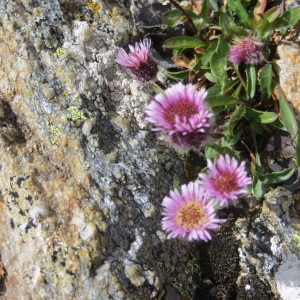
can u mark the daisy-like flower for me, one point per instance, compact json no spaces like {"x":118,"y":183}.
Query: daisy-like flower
{"x":139,"y":61}
{"x":182,"y":115}
{"x":225,"y":179}
{"x":248,"y":50}
{"x":189,"y":214}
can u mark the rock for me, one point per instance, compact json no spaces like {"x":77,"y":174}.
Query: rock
{"x":269,"y":244}
{"x":289,"y":72}
{"x":81,"y":180}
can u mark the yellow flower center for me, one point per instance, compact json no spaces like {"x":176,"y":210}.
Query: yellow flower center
{"x":191,"y":215}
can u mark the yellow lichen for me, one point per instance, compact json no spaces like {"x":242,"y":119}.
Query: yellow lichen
{"x":56,"y":132}
{"x":75,"y":114}
{"x":79,"y":16}
{"x":296,"y":241}
{"x":96,"y":7}
{"x":59,"y":52}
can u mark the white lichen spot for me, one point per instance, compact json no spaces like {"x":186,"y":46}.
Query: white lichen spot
{"x":82,"y":32}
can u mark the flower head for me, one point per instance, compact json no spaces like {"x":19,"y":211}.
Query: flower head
{"x":181,"y":113}
{"x":189,"y":214}
{"x":226,"y":179}
{"x":247,"y":50}
{"x":139,"y":61}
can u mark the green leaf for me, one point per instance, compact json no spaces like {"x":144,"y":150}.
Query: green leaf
{"x":205,"y":10}
{"x":184,"y":42}
{"x":221,"y":100}
{"x":198,"y":62}
{"x":251,"y":81}
{"x":236,"y":116}
{"x":262,"y":28}
{"x":206,"y":58}
{"x":212,"y":151}
{"x":261,"y":116}
{"x":180,"y":75}
{"x":258,"y":188}
{"x":273,"y":13}
{"x":229,"y":141}
{"x":237,"y":91}
{"x":229,"y":26}
{"x":276,"y":177}
{"x":225,"y":88}
{"x":214,"y":90}
{"x":157,"y":89}
{"x":259,"y":10}
{"x":222,"y":47}
{"x":218,"y":67}
{"x":298,"y":150}
{"x":173,"y":17}
{"x":257,"y":128}
{"x":213,"y":4}
{"x":287,"y":115}
{"x":239,"y":9}
{"x":287,"y":19}
{"x":219,"y":60}
{"x":265,"y":81}
{"x":207,"y":6}
{"x":211,"y":77}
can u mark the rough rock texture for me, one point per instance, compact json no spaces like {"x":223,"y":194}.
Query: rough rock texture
{"x":289,"y":72}
{"x":269,"y":246}
{"x":81,"y":177}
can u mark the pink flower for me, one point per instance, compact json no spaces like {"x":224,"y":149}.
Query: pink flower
{"x":225,"y":179}
{"x":182,"y":115}
{"x":139,"y":61}
{"x":189,"y":214}
{"x":247,"y":50}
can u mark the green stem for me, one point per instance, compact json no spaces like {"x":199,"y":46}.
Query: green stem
{"x":240,"y":77}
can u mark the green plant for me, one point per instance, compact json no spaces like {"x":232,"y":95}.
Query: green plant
{"x":230,"y":50}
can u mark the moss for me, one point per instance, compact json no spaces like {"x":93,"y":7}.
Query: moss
{"x":184,"y":157}
{"x":176,"y":182}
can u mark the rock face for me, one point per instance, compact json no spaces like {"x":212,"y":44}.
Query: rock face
{"x":289,"y":72}
{"x":82,"y":178}
{"x":269,"y":247}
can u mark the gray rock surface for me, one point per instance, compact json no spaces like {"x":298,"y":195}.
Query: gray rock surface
{"x":269,"y":243}
{"x":82,"y":178}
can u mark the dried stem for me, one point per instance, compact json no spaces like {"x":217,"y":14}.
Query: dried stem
{"x":189,"y":19}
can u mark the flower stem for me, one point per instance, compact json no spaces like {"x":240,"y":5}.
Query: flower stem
{"x":189,"y":19}
{"x":160,"y":84}
{"x":240,"y":77}
{"x":257,"y":157}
